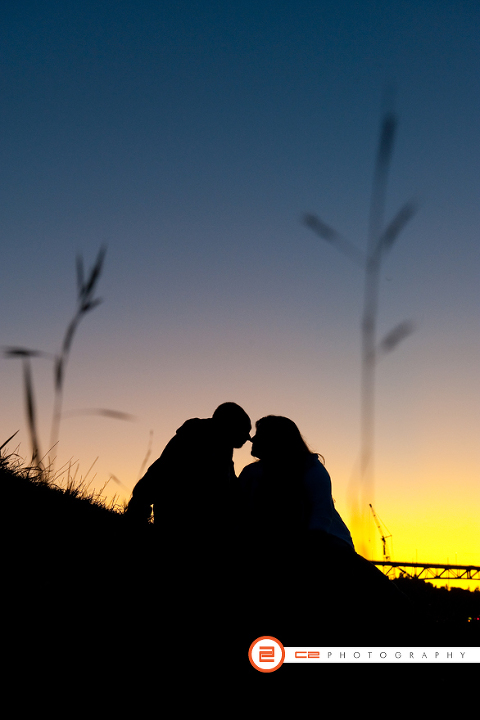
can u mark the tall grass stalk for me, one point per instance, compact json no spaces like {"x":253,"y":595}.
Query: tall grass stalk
{"x":380,"y":240}
{"x":86,"y":302}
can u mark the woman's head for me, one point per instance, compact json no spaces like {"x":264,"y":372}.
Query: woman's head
{"x":278,"y":439}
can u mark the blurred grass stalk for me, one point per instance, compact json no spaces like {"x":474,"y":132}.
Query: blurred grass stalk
{"x":379,"y":241}
{"x":85,"y":303}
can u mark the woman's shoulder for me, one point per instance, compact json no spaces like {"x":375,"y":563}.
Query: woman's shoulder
{"x":253,"y":470}
{"x":315,"y":468}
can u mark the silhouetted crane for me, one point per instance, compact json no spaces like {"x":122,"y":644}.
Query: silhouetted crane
{"x":384,"y":537}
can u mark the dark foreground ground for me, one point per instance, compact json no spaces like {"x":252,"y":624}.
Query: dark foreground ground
{"x":90,"y":599}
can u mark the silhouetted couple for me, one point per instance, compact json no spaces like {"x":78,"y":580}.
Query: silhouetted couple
{"x":270,"y":540}
{"x":196,"y":494}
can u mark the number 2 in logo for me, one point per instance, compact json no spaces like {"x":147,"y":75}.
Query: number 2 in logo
{"x":266,"y":653}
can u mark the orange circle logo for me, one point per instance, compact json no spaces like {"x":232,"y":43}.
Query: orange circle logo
{"x":266,"y":654}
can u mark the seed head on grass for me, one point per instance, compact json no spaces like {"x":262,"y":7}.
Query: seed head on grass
{"x":85,"y":303}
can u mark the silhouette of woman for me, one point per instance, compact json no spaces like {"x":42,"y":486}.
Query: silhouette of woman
{"x":288,"y":490}
{"x":294,"y":534}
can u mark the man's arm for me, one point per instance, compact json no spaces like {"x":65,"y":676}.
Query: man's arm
{"x":154,"y":483}
{"x":140,"y":506}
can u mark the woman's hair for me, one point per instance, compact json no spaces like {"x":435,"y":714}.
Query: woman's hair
{"x":283,"y":438}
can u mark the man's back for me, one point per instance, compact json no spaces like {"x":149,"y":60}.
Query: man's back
{"x":189,"y":484}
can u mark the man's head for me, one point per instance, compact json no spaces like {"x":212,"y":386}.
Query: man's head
{"x":232,"y":423}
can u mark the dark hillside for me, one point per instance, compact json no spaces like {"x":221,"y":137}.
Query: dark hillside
{"x":71,"y":570}
{"x":79,"y":580}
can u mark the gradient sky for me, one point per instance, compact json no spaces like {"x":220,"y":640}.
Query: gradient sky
{"x":190,"y":138}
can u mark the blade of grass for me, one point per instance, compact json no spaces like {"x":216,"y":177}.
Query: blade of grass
{"x":331,"y":236}
{"x":393,"y":229}
{"x":30,"y":410}
{"x":7,"y":441}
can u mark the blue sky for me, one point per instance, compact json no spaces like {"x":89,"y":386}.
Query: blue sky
{"x":190,"y":138}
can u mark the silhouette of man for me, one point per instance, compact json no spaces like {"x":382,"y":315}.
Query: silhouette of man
{"x":190,"y":485}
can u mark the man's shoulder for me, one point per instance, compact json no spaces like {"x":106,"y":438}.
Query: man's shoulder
{"x":195,"y":427}
{"x":193,"y":436}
